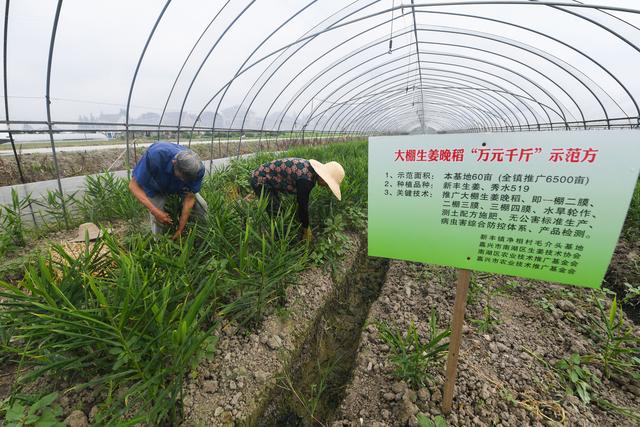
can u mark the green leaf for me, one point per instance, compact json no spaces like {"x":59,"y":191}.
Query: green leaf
{"x":98,"y":293}
{"x":31,"y":418}
{"x":612,"y":311}
{"x":16,"y":412}
{"x":582,"y":392}
{"x":48,"y":419}
{"x":573,"y":376}
{"x":120,"y":362}
{"x":424,"y":421}
{"x":183,"y":330}
{"x":44,"y":402}
{"x":440,"y":422}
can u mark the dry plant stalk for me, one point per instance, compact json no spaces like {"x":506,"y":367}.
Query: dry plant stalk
{"x":540,"y":408}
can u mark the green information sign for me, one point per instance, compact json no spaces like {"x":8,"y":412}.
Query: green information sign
{"x":541,"y":205}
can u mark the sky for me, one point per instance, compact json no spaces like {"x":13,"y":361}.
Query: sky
{"x":340,"y":78}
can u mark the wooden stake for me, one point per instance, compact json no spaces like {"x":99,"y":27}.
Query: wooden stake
{"x":457,"y":320}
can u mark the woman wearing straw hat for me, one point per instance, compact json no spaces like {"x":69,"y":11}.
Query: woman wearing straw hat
{"x":296,"y":176}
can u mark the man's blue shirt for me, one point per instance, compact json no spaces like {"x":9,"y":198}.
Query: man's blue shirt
{"x":154,"y":171}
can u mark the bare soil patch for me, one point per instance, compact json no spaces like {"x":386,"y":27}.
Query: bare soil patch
{"x":501,"y":379}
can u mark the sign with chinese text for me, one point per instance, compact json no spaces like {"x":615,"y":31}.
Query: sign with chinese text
{"x":541,"y":205}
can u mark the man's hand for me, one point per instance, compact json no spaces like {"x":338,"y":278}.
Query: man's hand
{"x":187,"y":205}
{"x":162,"y":217}
{"x":307,"y":234}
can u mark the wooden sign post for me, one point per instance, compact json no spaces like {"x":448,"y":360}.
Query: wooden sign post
{"x":457,"y":320}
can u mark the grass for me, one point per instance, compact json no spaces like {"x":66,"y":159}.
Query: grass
{"x":12,"y":230}
{"x":545,"y":304}
{"x":476,"y":290}
{"x":489,"y":319}
{"x":632,"y":294}
{"x":631,"y":229}
{"x":137,"y":325}
{"x":576,"y":377}
{"x":619,"y":350}
{"x":105,"y":198}
{"x":331,"y":245}
{"x":425,"y":421}
{"x":40,"y":413}
{"x":609,"y":406}
{"x":131,"y":317}
{"x":310,"y":399}
{"x":413,"y":356}
{"x":616,"y":352}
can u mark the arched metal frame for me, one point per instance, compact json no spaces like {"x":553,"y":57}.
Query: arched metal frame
{"x":425,"y":85}
{"x":461,"y":3}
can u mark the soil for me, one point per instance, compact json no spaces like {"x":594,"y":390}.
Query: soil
{"x":504,"y":375}
{"x":40,"y":167}
{"x":7,"y":377}
{"x":236,"y":385}
{"x":314,"y":384}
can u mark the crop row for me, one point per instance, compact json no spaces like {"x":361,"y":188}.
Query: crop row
{"x":130,"y":317}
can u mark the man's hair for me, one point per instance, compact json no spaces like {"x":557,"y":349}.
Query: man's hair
{"x":189,"y":165}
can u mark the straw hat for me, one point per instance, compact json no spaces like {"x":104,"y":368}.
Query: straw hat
{"x":332,"y":173}
{"x":88,"y":229}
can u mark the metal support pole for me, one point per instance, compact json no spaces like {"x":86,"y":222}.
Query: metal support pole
{"x":48,"y":101}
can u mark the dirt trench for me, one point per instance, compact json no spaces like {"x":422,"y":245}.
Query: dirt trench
{"x":313,"y":386}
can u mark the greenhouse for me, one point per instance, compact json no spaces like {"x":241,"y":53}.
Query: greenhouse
{"x":300,"y":213}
